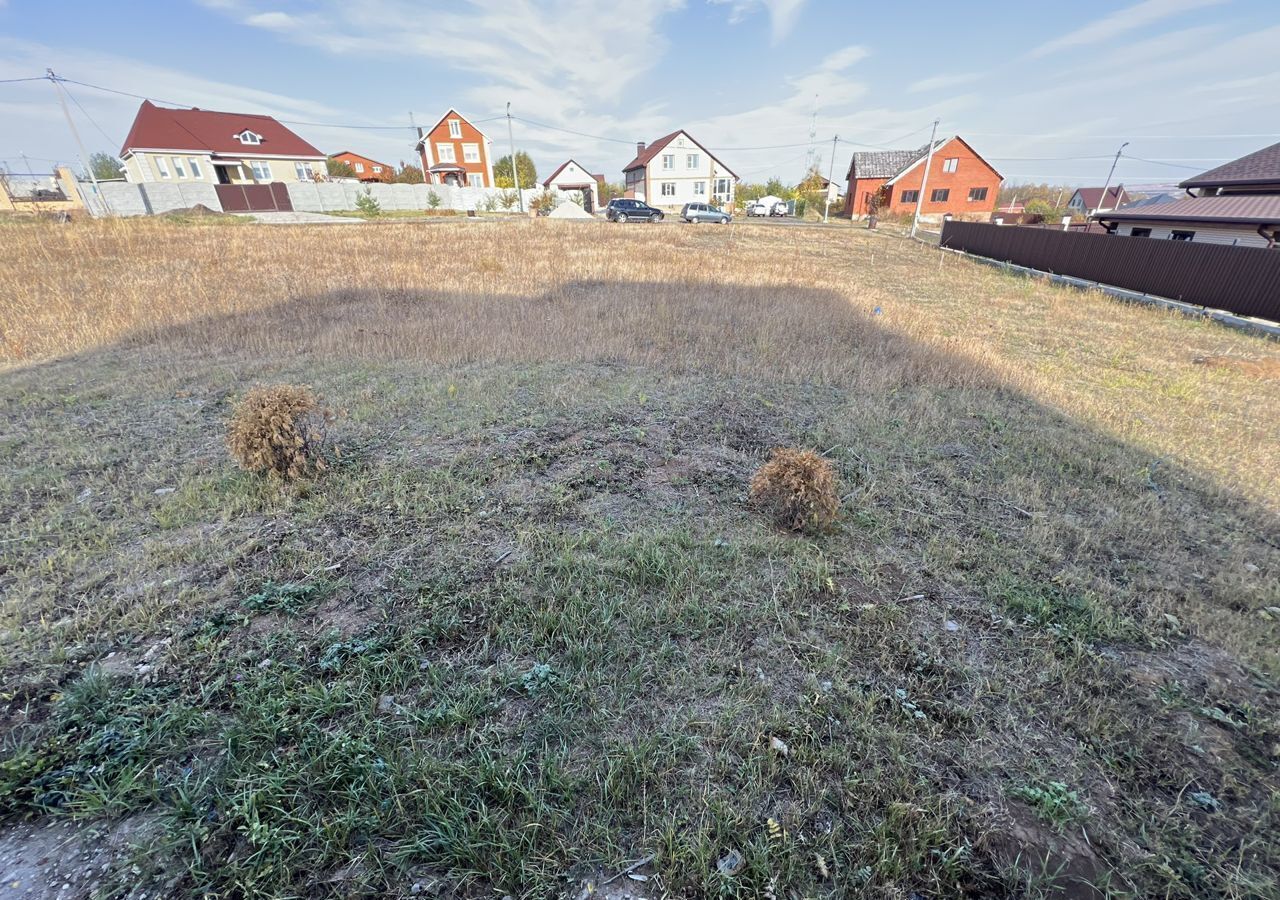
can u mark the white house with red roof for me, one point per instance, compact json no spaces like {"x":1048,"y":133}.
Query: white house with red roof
{"x":572,"y":176}
{"x":193,"y":145}
{"x":675,"y":170}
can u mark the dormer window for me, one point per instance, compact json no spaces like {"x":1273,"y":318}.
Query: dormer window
{"x":249,"y":138}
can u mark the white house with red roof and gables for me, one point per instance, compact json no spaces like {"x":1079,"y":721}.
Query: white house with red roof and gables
{"x":201,"y":145}
{"x":675,"y":170}
{"x":572,"y":176}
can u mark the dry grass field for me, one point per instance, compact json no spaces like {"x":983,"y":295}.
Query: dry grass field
{"x":526,"y":630}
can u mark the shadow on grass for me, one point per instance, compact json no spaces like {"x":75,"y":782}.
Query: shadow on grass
{"x":1015,"y":607}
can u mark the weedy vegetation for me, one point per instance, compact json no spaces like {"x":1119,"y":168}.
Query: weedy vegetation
{"x":280,"y":430}
{"x":797,"y":489}
{"x":533,"y":628}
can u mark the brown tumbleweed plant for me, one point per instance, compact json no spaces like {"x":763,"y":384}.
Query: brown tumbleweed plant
{"x":797,"y":489}
{"x":281,"y":430}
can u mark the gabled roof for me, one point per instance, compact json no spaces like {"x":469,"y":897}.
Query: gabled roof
{"x":367,"y":159}
{"x":893,"y":164}
{"x":450,"y":114}
{"x":1226,"y":209}
{"x":884,"y":163}
{"x":1260,"y":167}
{"x":1091,"y":195}
{"x":644,"y":157}
{"x":564,"y":165}
{"x":207,"y":131}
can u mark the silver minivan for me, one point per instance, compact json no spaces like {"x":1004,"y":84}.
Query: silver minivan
{"x":703,"y":212}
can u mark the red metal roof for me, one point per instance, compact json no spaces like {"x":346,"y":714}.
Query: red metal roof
{"x":643,"y":157}
{"x":1227,"y":209}
{"x":203,"y":130}
{"x":1260,"y":167}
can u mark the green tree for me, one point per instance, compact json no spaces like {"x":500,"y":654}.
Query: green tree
{"x":104,"y":166}
{"x":368,"y":204}
{"x":409,"y":174}
{"x":775,"y":187}
{"x":608,"y":191}
{"x":524,"y":166}
{"x":338,"y":169}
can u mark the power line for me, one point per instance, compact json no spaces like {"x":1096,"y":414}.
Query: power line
{"x":16,"y":80}
{"x":110,"y":140}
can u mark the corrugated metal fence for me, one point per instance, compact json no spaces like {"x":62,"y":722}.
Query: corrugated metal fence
{"x":1242,"y":280}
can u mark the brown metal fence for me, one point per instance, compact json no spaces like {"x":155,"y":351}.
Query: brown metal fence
{"x":273,"y":197}
{"x":1243,"y":280}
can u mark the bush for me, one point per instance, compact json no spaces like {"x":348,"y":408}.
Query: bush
{"x":368,"y":204}
{"x":281,"y":430}
{"x":544,"y":202}
{"x":433,"y":200}
{"x":797,"y":489}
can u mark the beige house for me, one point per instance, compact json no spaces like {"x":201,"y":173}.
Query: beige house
{"x":187,"y":145}
{"x":675,"y":170}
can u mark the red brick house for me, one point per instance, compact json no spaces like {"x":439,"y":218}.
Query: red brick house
{"x":961,"y":183}
{"x":366,"y":169}
{"x":454,"y":151}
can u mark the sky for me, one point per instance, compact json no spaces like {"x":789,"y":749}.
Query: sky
{"x":1044,"y":91}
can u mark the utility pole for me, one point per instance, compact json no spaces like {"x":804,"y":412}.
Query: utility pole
{"x":1103,"y":199}
{"x":831,"y":171}
{"x":924,"y":182}
{"x":84,"y":154}
{"x":515,"y":170}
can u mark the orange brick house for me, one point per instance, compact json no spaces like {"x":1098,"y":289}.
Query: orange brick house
{"x":961,"y":183}
{"x":366,"y":169}
{"x":454,"y":151}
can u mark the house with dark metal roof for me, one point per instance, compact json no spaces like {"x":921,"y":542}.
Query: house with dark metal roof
{"x":675,"y":170}
{"x":1088,"y":200}
{"x":1237,"y":203}
{"x":960,"y":183}
{"x":191,"y":145}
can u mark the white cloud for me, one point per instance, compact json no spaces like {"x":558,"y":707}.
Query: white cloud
{"x":843,"y":59}
{"x":937,"y":82}
{"x":782,"y":13}
{"x":1119,"y":23}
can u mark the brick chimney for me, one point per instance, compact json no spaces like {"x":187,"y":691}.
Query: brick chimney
{"x":639,"y":147}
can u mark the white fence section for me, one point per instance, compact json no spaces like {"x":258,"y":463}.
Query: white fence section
{"x":331,"y":197}
{"x":119,"y":198}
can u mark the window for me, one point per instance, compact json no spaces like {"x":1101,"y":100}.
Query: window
{"x":445,"y":152}
{"x":261,"y":170}
{"x":668,"y":161}
{"x":178,"y":168}
{"x":248,"y":137}
{"x":302,"y":170}
{"x":940,"y":195}
{"x":377,"y":170}
{"x":195,"y":167}
{"x":692,"y":160}
{"x":950,"y":165}
{"x":471,"y":153}
{"x":910,"y":196}
{"x":162,"y":166}
{"x":700,"y":188}
{"x":1140,"y":232}
{"x":455,"y":128}
{"x":475,"y":179}
{"x":668,"y":188}
{"x":1182,"y":235}
{"x":722,"y":187}
{"x":359,"y":167}
{"x":976,"y":194}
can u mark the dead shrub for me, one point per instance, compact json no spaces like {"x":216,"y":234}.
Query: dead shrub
{"x":797,"y":489}
{"x":281,"y":430}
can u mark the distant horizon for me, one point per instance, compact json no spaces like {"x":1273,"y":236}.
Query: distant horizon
{"x":765,"y":84}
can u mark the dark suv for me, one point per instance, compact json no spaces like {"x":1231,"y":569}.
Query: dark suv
{"x":621,"y":210}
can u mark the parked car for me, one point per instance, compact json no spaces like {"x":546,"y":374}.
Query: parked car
{"x":622,"y":210}
{"x":694,"y":213}
{"x":768,"y":206}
